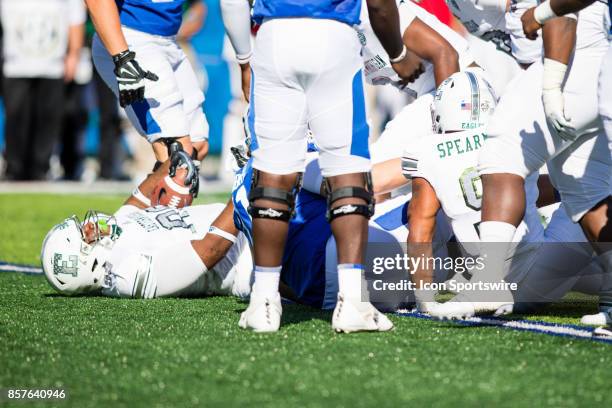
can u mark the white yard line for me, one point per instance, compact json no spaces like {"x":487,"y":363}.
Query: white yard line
{"x":552,"y":329}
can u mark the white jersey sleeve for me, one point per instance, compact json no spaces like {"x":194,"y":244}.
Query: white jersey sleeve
{"x":236,"y":16}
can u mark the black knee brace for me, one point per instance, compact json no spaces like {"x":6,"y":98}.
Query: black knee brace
{"x":366,"y":210}
{"x":273,"y":194}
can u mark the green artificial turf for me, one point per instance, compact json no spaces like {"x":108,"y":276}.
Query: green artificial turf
{"x":190,"y":352}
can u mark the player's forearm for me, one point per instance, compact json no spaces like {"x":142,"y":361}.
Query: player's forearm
{"x":431,"y":46}
{"x":193,"y":21}
{"x":215,"y":245}
{"x":237,"y":20}
{"x":387,"y":176}
{"x":142,"y":195}
{"x":76,"y":39}
{"x":422,"y":228}
{"x":384,"y":18}
{"x":105,"y":16}
{"x":559,"y":37}
{"x":563,"y":7}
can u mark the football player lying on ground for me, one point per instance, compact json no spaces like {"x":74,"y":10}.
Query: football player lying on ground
{"x":545,"y":264}
{"x":147,"y":252}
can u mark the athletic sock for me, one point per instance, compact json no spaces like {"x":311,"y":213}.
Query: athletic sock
{"x":349,"y":280}
{"x":495,"y":242}
{"x":266,"y":280}
{"x":496,"y":231}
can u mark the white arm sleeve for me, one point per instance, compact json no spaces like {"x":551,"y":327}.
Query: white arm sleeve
{"x":237,"y":20}
{"x":498,"y":5}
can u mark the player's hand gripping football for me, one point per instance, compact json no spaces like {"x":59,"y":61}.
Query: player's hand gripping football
{"x":130,"y":78}
{"x":181,"y":159}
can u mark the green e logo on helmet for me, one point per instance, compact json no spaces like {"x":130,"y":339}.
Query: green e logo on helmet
{"x":69,"y":267}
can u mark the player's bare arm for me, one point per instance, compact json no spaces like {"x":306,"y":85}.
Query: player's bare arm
{"x":193,"y":21}
{"x":384,"y":18}
{"x":105,"y":16}
{"x":222,"y":235}
{"x":387,"y":176}
{"x":431,"y":46}
{"x":422,"y":211}
{"x":534,"y":18}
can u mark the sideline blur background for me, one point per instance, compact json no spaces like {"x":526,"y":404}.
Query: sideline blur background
{"x":68,"y":126}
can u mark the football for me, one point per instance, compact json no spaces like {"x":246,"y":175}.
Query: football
{"x":172,"y":191}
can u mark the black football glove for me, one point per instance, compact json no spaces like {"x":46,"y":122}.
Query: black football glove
{"x":180,"y":158}
{"x":130,"y":78}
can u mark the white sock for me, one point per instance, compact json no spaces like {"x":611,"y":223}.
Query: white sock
{"x":266,"y":280}
{"x":349,"y":280}
{"x":495,"y":242}
{"x":496,"y":231}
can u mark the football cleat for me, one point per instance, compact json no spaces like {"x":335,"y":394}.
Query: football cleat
{"x":604,"y":332}
{"x":355,"y":316}
{"x":460,"y":307}
{"x":426,"y":307}
{"x":263,"y":314}
{"x":597,"y":319}
{"x":453,"y":310}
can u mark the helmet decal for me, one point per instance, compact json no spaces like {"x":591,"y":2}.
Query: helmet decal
{"x":69,"y":267}
{"x":475,"y":102}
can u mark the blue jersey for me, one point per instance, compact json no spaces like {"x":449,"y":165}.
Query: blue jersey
{"x":304,"y":257}
{"x":345,"y":11}
{"x":158,"y":17}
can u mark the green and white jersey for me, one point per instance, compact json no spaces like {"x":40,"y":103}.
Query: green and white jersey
{"x":449,"y":163}
{"x":140,"y":263}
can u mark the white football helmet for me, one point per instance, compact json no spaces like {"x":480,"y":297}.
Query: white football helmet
{"x":72,"y":263}
{"x":464,"y":101}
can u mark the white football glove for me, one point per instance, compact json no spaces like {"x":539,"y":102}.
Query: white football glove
{"x":554,"y":103}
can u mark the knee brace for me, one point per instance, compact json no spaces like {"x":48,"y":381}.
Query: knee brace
{"x":365,"y":210}
{"x":273,"y":194}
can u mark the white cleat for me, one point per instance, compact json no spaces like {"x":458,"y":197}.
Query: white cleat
{"x":604,"y":332}
{"x":355,"y":316}
{"x":427,"y":307}
{"x":597,"y":319}
{"x":461,"y":308}
{"x":263,"y":314}
{"x":452,"y":310}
